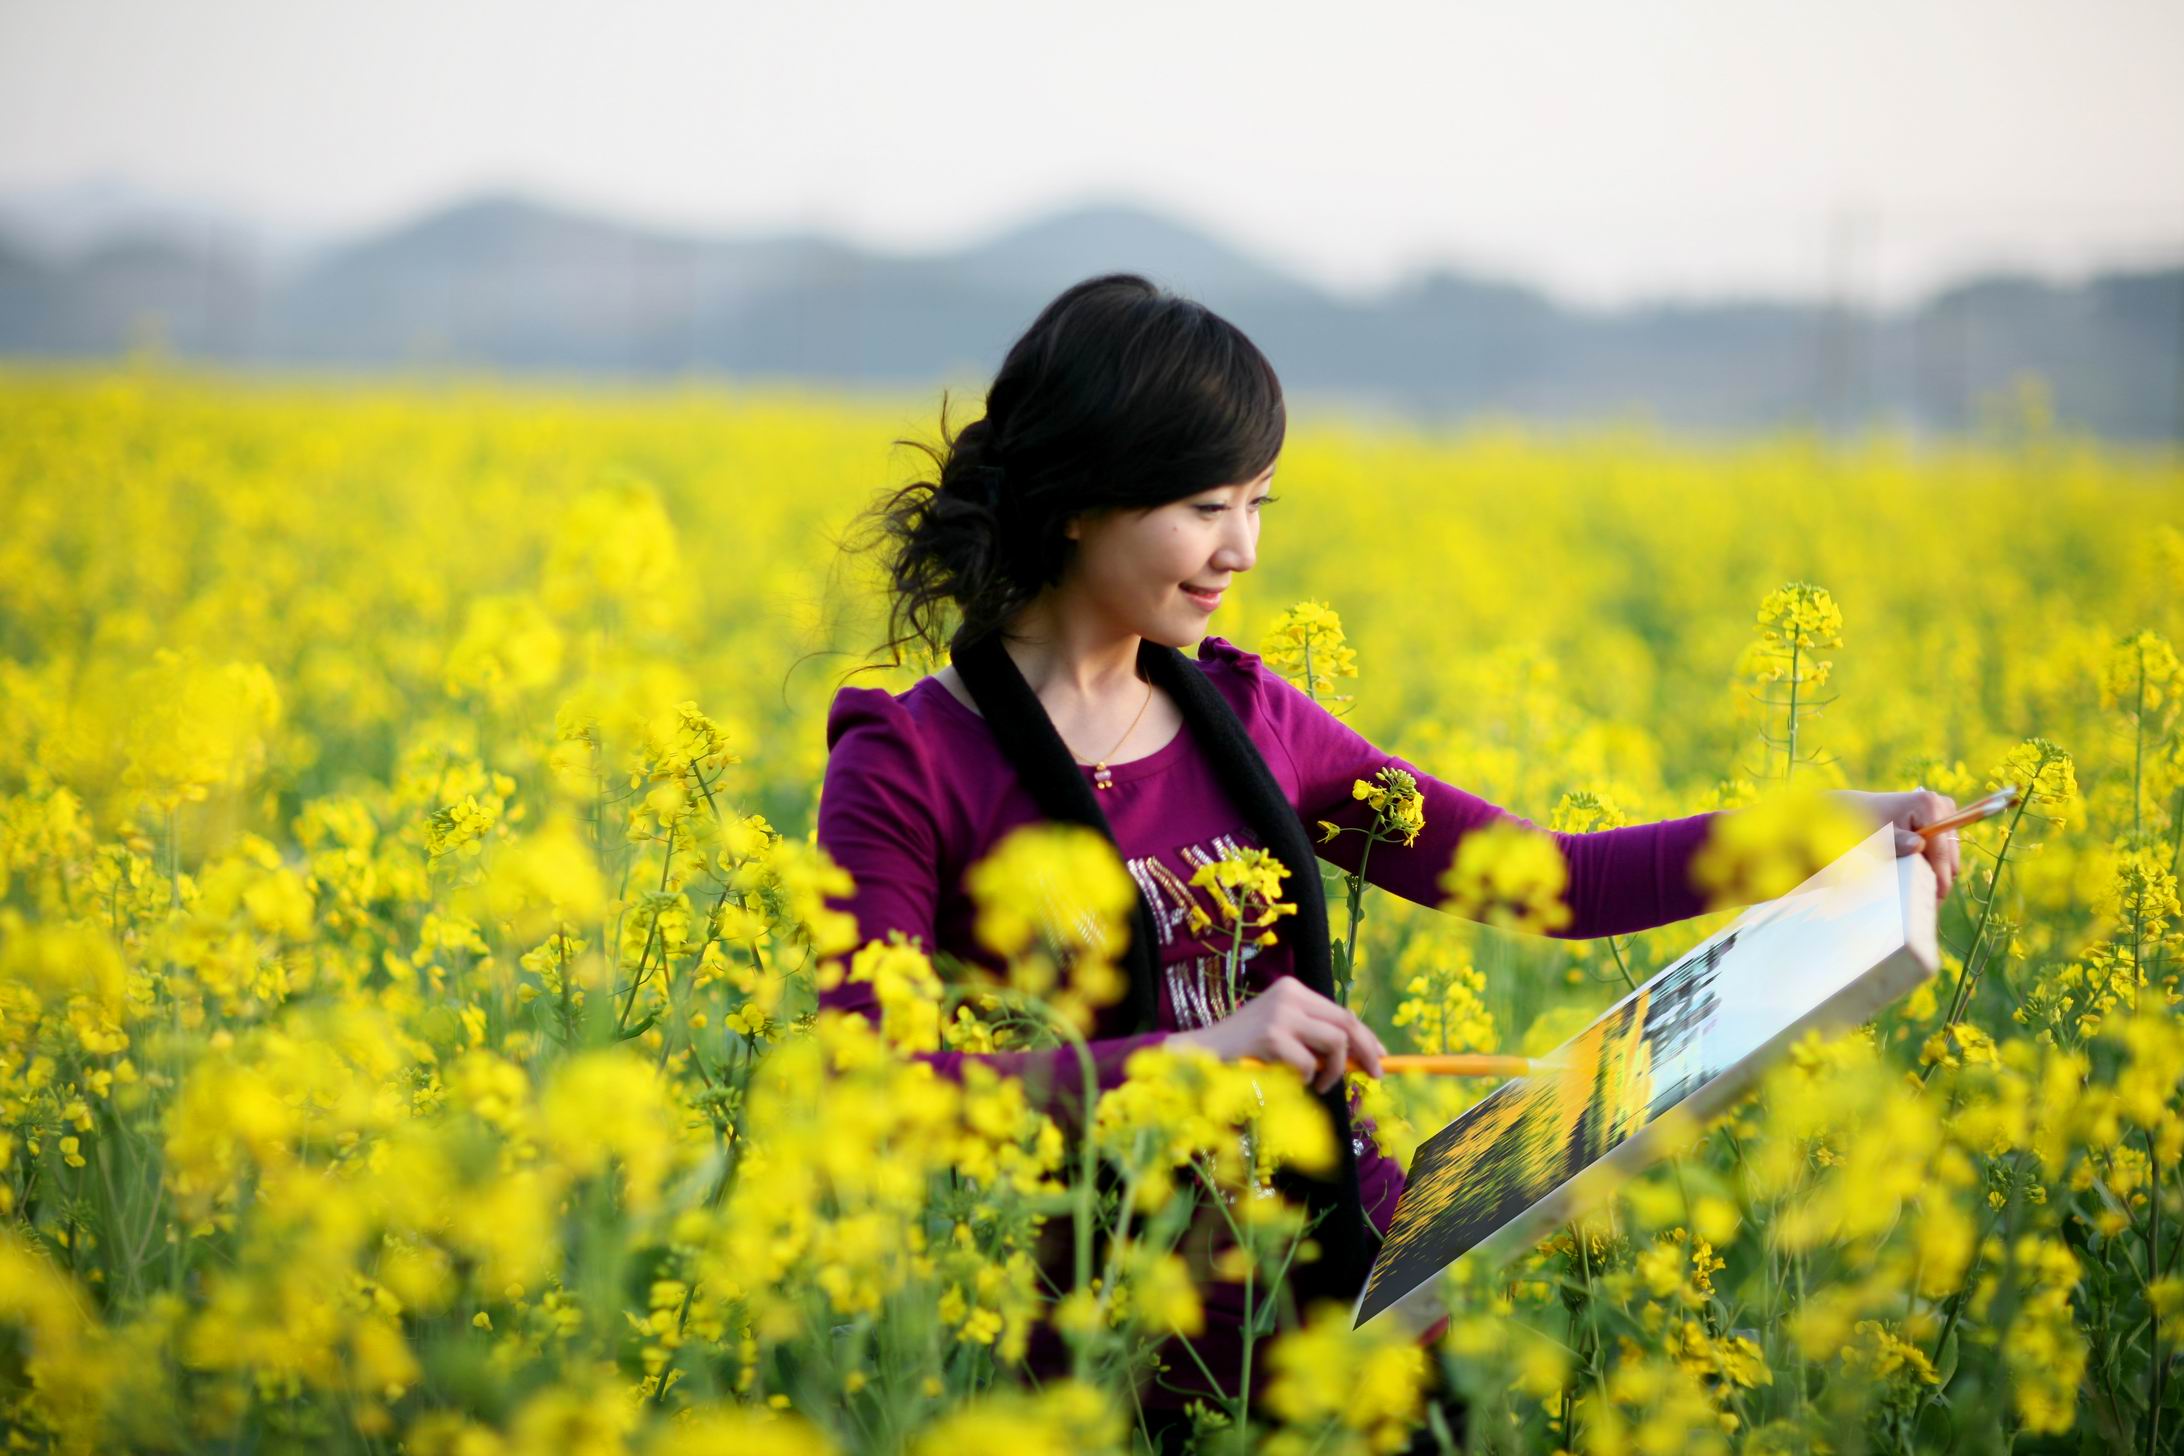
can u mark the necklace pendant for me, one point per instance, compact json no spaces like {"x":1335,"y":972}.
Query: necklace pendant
{"x":1102,"y":776}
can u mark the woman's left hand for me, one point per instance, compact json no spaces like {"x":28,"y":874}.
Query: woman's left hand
{"x":1907,"y":811}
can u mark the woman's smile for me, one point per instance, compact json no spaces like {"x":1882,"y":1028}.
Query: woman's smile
{"x":1206,"y":599}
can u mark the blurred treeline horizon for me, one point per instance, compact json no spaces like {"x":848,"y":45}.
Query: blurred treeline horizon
{"x":504,"y":283}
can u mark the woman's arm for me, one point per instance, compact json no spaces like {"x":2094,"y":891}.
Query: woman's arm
{"x":1620,"y":880}
{"x":876,"y":820}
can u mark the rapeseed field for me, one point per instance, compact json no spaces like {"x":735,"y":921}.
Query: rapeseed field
{"x":410,"y":934}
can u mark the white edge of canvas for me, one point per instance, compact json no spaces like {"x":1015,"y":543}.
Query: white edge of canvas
{"x":1911,"y":962}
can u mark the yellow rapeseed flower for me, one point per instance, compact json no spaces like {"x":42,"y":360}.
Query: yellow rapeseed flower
{"x":193,"y":727}
{"x":544,"y":882}
{"x":1370,"y":1381}
{"x":1177,"y":1105}
{"x":2143,"y":678}
{"x":2050,"y":778}
{"x":1799,"y":617}
{"x":1246,"y":887}
{"x":1055,"y":901}
{"x":1771,"y":847}
{"x":1444,"y":996}
{"x":1509,"y":876}
{"x":1399,"y":809}
{"x":909,"y":991}
{"x":1306,"y":645}
{"x":611,"y":1105}
{"x":1063,"y":1418}
{"x":1158,"y":1290}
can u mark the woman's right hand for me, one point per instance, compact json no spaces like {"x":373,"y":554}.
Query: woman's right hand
{"x":1290,"y":1022}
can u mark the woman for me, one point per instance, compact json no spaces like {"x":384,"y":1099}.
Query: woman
{"x":1079,"y":535}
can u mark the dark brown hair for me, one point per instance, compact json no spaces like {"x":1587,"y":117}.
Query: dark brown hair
{"x":1120,"y":394}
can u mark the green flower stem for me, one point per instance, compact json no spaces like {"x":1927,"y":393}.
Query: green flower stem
{"x":2176,"y":832}
{"x":1357,"y":915}
{"x":1087,"y":1171}
{"x":1354,"y":889}
{"x":1200,"y":1361}
{"x":682,"y":1320}
{"x":1595,"y":1347}
{"x":2153,"y":1311}
{"x":1234,"y":1408}
{"x":174,"y":858}
{"x":1232,"y":959}
{"x":1081,"y":1207}
{"x":1115,"y":1244}
{"x":1620,"y":964}
{"x":2138,"y":753}
{"x":1957,"y":1302}
{"x":1240,"y":1409}
{"x":1789,"y":762}
{"x":1797,"y":1263}
{"x":1251,"y":1327}
{"x":1243,"y":1390}
{"x":1963,"y":998}
{"x":652,"y":933}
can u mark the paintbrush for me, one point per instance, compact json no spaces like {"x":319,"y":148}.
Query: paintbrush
{"x":1456,"y":1064}
{"x":1971,"y":813}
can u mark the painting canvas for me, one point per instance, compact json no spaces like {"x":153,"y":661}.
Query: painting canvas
{"x":1538,"y":1149}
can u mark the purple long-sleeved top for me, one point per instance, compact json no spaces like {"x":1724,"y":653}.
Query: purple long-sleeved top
{"x":917,"y":790}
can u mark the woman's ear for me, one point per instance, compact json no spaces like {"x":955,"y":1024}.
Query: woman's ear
{"x":1073,"y":523}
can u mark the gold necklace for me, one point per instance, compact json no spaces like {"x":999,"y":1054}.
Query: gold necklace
{"x":1103,"y":777}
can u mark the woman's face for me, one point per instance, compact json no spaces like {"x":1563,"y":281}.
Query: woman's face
{"x":1134,"y":568}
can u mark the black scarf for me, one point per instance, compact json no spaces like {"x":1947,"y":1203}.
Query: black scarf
{"x":1027,"y":737}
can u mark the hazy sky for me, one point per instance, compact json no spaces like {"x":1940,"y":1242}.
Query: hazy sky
{"x":1606,"y":150}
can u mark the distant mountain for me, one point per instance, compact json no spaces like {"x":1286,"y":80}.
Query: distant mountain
{"x":64,"y":219}
{"x":511,"y":282}
{"x":1084,"y":241}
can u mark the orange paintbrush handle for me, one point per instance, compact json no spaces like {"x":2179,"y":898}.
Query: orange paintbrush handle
{"x":1973,"y":812}
{"x":1458,"y":1064}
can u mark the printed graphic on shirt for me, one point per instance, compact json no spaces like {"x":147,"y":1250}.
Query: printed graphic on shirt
{"x":1198,"y":983}
{"x":1194,"y":964}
